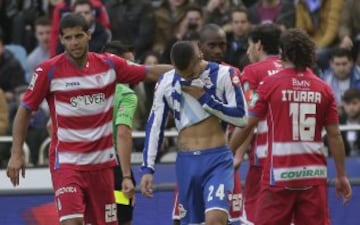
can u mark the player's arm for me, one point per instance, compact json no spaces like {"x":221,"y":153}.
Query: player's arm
{"x":240,"y":151}
{"x":17,"y":159}
{"x":337,"y":149}
{"x":123,"y":122}
{"x":34,"y":95}
{"x":133,"y":73}
{"x":154,"y":136}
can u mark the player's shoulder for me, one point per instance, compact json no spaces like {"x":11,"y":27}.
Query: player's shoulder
{"x":49,"y":65}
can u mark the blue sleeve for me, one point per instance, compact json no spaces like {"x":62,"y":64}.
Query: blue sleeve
{"x":233,"y":108}
{"x":155,"y":129}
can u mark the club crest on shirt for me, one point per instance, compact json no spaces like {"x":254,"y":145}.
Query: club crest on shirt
{"x":235,"y":80}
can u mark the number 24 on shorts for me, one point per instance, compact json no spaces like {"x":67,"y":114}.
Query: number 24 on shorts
{"x":218,"y":192}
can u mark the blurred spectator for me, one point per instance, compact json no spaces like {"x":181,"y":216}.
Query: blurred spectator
{"x":281,"y":12}
{"x":168,"y":19}
{"x":342,"y":74}
{"x":320,"y":19}
{"x":219,"y":12}
{"x":191,"y":24}
{"x":19,"y":52}
{"x":237,"y":39}
{"x":349,"y":30}
{"x":11,"y":73}
{"x":24,"y":13}
{"x":4,"y":113}
{"x":42,"y":27}
{"x":66,"y":6}
{"x":351,"y":116}
{"x":133,"y":23}
{"x":6,"y":20}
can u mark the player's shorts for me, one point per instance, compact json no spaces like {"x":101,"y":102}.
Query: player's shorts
{"x":204,"y":178}
{"x":235,"y":198}
{"x":280,"y":206}
{"x":85,"y":194}
{"x":251,"y":192}
{"x":125,"y":206}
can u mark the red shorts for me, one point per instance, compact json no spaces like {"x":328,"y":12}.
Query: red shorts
{"x":251,"y":192}
{"x":236,"y":201}
{"x":87,"y":194}
{"x":281,"y":206}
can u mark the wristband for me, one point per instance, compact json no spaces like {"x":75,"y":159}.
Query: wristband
{"x":127,"y":177}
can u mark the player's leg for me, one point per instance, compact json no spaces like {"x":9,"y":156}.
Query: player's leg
{"x":251,"y":192}
{"x":218,"y":183}
{"x":189,"y":168}
{"x":125,"y":206}
{"x":100,"y":200}
{"x":175,"y":211}
{"x":312,"y":206}
{"x":275,"y":206}
{"x":69,"y":196}
{"x":236,"y":200}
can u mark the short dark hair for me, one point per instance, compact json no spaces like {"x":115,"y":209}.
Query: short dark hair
{"x":351,"y":94}
{"x":240,"y":9}
{"x":192,"y":8}
{"x":211,"y":27}
{"x":269,"y":36}
{"x":298,"y":48}
{"x":72,"y":20}
{"x":341,"y":52}
{"x":182,"y":53}
{"x":117,"y":47}
{"x":42,"y":21}
{"x":82,"y":2}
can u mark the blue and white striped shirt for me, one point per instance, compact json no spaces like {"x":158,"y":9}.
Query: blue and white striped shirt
{"x":223,"y":98}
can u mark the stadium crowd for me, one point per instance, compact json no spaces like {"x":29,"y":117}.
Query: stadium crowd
{"x":30,"y":30}
{"x":29,"y":33}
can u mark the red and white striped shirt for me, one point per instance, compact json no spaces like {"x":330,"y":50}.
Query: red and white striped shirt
{"x":80,"y":102}
{"x":298,"y":105}
{"x":252,"y":76}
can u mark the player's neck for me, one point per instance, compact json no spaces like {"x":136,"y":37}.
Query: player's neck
{"x":288,"y":64}
{"x":80,"y":62}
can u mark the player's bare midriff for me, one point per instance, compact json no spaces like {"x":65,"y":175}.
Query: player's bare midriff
{"x":206,"y":134}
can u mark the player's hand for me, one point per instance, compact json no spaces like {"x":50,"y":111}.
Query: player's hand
{"x":127,"y":187}
{"x":346,"y":43}
{"x":194,"y":91}
{"x":237,"y":162}
{"x":147,"y":185}
{"x":15,"y":165}
{"x":343,"y":188}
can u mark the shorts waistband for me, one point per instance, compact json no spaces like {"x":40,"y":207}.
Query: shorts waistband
{"x":204,"y":151}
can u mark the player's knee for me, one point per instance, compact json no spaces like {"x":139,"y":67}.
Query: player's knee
{"x":216,"y":217}
{"x":73,"y":221}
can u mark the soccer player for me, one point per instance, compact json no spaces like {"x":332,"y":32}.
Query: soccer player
{"x":263,"y":51}
{"x":298,"y":105}
{"x":125,"y":103}
{"x":79,"y":87}
{"x":200,"y":94}
{"x":212,"y":43}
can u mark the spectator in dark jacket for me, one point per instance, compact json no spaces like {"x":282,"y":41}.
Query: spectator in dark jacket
{"x":133,"y":23}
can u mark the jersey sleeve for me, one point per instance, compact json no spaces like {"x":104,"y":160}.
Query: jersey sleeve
{"x":38,"y":88}
{"x":155,"y":128}
{"x":127,"y":72}
{"x":126,"y":107}
{"x":332,"y":116}
{"x":258,"y":106}
{"x":233,"y":109}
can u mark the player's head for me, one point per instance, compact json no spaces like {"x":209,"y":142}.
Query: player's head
{"x":212,"y":42}
{"x":74,"y":35}
{"x":118,"y":48}
{"x":341,"y":63}
{"x":85,"y":8}
{"x":297,"y":48}
{"x":263,"y":40}
{"x":351,"y":103}
{"x":186,"y":58}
